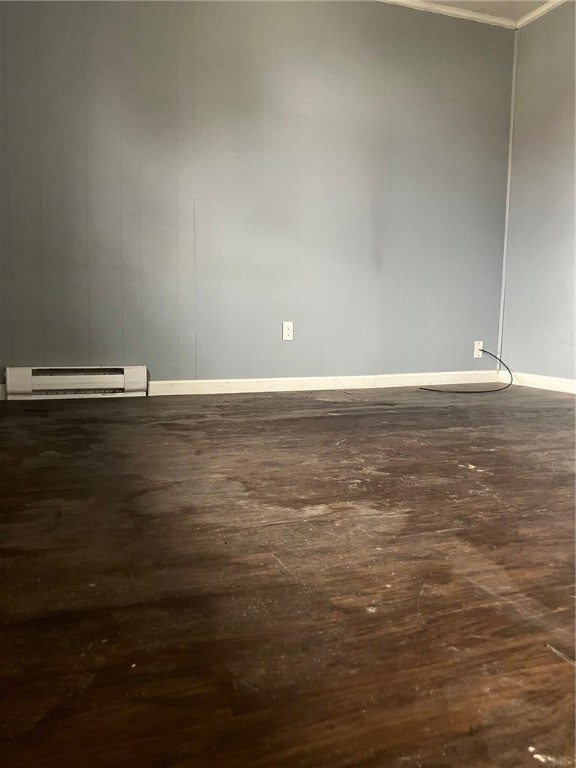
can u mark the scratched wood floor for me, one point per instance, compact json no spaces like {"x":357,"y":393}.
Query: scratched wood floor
{"x":361,"y":579}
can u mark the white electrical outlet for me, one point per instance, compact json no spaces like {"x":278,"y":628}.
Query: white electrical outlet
{"x":287,"y":330}
{"x":478,"y":347}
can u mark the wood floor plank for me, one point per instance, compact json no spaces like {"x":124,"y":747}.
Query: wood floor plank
{"x":370,"y":579}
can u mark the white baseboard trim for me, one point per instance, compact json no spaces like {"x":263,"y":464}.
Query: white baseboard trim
{"x":308,"y":383}
{"x":303,"y":384}
{"x":553,"y":383}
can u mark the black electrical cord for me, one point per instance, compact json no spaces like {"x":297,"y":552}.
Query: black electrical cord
{"x":476,"y":391}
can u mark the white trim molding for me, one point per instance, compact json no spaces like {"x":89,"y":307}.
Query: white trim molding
{"x":457,"y":13}
{"x":533,"y":15}
{"x":309,"y":383}
{"x":483,"y":18}
{"x":553,"y":383}
{"x":383,"y":381}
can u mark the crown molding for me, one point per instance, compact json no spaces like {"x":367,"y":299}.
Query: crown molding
{"x":533,"y":15}
{"x":457,"y":13}
{"x":482,"y":18}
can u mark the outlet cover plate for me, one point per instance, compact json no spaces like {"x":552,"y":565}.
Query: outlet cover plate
{"x":287,"y":330}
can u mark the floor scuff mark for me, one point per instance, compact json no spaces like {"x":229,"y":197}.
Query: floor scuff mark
{"x":559,"y":653}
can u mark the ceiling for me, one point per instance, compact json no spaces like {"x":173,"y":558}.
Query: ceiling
{"x":504,"y":9}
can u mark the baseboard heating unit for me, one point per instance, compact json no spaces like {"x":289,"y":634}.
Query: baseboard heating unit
{"x":54,"y":383}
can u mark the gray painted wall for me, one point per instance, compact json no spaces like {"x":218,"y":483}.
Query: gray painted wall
{"x":180,"y":178}
{"x":539,"y":311}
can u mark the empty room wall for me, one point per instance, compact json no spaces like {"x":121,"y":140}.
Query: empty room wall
{"x":539,"y":316}
{"x":178,"y":178}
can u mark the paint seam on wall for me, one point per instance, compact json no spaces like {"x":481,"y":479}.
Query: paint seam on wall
{"x":306,"y":383}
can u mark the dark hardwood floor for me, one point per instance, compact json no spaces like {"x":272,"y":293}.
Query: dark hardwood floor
{"x":361,"y":579}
